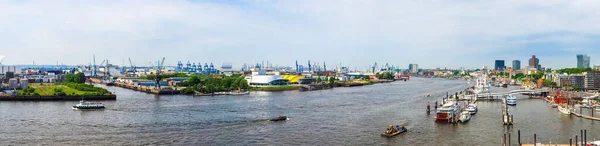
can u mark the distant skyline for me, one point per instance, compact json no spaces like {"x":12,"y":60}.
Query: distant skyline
{"x":444,"y":34}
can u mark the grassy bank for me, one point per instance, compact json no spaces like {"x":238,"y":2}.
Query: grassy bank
{"x":68,"y":89}
{"x":275,"y":88}
{"x":356,"y":83}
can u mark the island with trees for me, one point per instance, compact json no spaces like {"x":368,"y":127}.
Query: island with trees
{"x":73,"y":87}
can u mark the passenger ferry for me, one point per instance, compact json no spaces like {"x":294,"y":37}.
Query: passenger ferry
{"x":511,"y":100}
{"x":88,"y":105}
{"x":447,"y":112}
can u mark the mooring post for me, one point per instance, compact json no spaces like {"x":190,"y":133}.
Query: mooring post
{"x":504,"y":139}
{"x":570,"y":141}
{"x":581,"y":137}
{"x":508,"y":139}
{"x":585,"y":137}
{"x":534,"y":139}
{"x":575,"y":139}
{"x":519,"y":137}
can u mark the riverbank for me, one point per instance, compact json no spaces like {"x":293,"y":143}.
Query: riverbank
{"x":57,"y":98}
{"x":147,"y":89}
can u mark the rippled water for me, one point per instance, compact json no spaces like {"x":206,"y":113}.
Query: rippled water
{"x":341,"y":116}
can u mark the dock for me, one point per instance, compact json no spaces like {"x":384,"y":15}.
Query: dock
{"x":585,"y":116}
{"x":147,"y":89}
{"x":507,"y":118}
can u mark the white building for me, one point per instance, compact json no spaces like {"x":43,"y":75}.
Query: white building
{"x":264,"y":78}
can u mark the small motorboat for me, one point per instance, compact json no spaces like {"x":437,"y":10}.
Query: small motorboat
{"x":280,"y":118}
{"x":394,"y":130}
{"x":88,"y":105}
{"x":427,"y":95}
{"x":472,"y":110}
{"x":465,"y":116}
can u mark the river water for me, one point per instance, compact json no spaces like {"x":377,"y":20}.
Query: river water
{"x":340,"y":116}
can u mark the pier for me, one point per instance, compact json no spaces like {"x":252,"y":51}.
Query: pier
{"x":507,"y":118}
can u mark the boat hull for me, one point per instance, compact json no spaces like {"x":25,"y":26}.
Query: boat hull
{"x":394,"y":134}
{"x":564,"y":110}
{"x":98,"y":107}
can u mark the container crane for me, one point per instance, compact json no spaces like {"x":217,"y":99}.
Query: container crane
{"x":160,"y":64}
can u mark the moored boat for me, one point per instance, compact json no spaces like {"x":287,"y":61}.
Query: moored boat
{"x":511,"y":100}
{"x":553,"y":105}
{"x":88,"y":105}
{"x":564,"y":110}
{"x":394,"y":130}
{"x":447,"y":112}
{"x":465,"y":116}
{"x":472,"y":109}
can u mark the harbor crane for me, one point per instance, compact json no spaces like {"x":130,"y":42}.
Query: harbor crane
{"x":132,"y":67}
{"x":374,"y":66}
{"x":160,"y":64}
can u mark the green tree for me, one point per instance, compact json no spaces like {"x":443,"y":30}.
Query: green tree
{"x":318,"y":79}
{"x":80,"y":77}
{"x":385,"y":76}
{"x":244,"y":84}
{"x":331,"y":80}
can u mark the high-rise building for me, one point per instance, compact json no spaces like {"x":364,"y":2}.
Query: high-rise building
{"x":414,"y":68}
{"x":499,"y":65}
{"x":534,"y":61}
{"x":516,"y":64}
{"x":583,"y":61}
{"x":592,"y":80}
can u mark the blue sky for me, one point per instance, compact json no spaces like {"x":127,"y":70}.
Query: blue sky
{"x":432,"y":34}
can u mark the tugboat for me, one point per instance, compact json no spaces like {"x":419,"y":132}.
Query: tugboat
{"x":394,"y":130}
{"x":88,"y":105}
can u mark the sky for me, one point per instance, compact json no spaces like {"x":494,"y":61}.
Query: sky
{"x":354,"y":33}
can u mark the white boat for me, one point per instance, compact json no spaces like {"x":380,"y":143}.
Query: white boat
{"x":564,"y":110}
{"x":511,"y":100}
{"x":465,"y":116}
{"x":239,"y":93}
{"x":472,"y":109}
{"x":88,"y":105}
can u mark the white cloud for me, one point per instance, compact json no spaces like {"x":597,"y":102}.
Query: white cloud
{"x":352,"y":32}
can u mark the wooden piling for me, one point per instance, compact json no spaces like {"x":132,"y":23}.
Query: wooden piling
{"x":581,"y":137}
{"x":519,"y":137}
{"x":534,"y":139}
{"x":585,"y":137}
{"x":509,"y":139}
{"x":576,"y":140}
